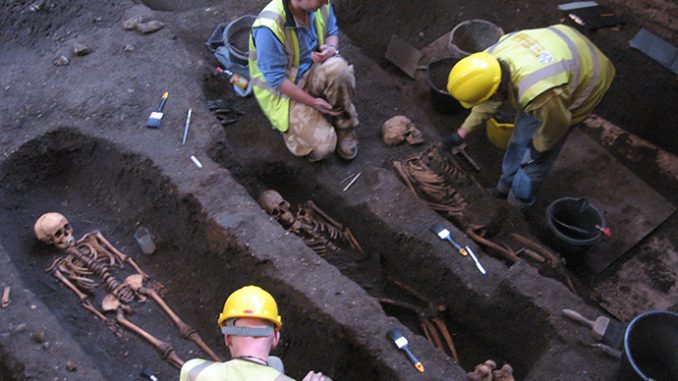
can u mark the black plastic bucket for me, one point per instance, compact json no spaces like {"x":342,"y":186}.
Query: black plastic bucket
{"x":473,"y":36}
{"x":442,"y":101}
{"x":651,"y":348}
{"x":575,"y":225}
{"x":234,"y":36}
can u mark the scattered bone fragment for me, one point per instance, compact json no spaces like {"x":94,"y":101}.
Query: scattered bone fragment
{"x":132,"y":22}
{"x":5,"y":297}
{"x":39,"y":5}
{"x":81,"y":49}
{"x":503,"y":374}
{"x":70,"y":366}
{"x":482,"y":372}
{"x":38,"y":336}
{"x":488,"y":371}
{"x":61,"y":61}
{"x":149,"y":26}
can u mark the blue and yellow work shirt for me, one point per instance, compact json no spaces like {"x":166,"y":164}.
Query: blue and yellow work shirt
{"x":274,"y":62}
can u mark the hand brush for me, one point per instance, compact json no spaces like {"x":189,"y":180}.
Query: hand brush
{"x":401,"y":342}
{"x":609,"y":331}
{"x":156,"y":116}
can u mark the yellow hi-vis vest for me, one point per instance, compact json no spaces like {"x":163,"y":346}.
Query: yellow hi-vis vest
{"x":545,"y":58}
{"x":234,"y":370}
{"x":274,"y":104}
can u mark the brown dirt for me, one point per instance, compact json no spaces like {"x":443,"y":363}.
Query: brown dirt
{"x":73,"y":141}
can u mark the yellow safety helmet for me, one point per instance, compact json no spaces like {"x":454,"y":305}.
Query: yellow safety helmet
{"x":474,"y":79}
{"x":251,"y":302}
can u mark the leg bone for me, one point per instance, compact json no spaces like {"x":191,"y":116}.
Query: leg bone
{"x":448,"y":338}
{"x":186,"y":331}
{"x":168,"y":353}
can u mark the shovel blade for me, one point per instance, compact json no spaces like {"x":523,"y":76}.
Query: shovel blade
{"x":405,"y":56}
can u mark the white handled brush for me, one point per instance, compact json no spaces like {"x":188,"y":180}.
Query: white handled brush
{"x":156,"y":116}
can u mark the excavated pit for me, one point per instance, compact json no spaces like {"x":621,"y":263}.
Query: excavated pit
{"x":97,"y":186}
{"x":397,"y":270}
{"x":212,"y":237}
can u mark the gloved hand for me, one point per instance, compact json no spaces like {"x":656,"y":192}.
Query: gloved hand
{"x":451,"y":141}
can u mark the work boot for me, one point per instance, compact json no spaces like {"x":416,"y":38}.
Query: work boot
{"x":347,"y":144}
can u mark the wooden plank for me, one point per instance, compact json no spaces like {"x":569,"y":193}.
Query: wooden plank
{"x":631,"y":208}
{"x":648,"y":281}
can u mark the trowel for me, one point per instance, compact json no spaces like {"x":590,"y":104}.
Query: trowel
{"x":444,"y":234}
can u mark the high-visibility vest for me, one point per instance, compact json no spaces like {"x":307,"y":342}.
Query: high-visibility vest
{"x":274,"y":104}
{"x":545,"y":58}
{"x":234,"y":370}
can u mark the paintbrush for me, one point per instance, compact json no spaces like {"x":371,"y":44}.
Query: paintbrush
{"x":401,"y":342}
{"x":156,"y":116}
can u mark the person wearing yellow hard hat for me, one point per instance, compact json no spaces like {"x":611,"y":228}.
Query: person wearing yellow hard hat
{"x":552,"y":78}
{"x":251,"y":327}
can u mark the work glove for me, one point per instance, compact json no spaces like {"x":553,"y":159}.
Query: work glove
{"x":451,"y":141}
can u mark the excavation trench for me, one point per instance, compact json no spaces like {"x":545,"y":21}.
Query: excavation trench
{"x":400,"y":269}
{"x":97,"y":186}
{"x":211,"y":235}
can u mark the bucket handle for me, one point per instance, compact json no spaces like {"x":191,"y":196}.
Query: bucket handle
{"x":583,"y":204}
{"x":570,"y":227}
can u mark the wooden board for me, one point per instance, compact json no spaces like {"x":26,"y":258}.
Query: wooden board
{"x":631,"y":208}
{"x":648,"y":281}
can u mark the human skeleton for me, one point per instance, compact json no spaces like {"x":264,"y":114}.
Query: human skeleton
{"x":91,"y":257}
{"x":436,"y":180}
{"x":315,"y":227}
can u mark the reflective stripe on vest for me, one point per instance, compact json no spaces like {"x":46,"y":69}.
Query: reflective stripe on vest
{"x":195,"y":371}
{"x":229,"y":370}
{"x":274,"y":104}
{"x":570,"y":59}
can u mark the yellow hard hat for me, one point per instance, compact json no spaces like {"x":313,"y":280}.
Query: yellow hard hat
{"x":474,"y":79}
{"x":251,"y":302}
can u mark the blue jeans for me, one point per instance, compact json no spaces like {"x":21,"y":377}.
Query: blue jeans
{"x":522,"y":183}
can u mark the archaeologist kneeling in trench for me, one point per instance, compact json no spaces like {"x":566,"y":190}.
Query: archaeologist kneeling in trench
{"x":251,"y":327}
{"x":551,"y":78}
{"x":299,"y":80}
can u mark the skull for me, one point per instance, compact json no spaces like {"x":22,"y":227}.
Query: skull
{"x":276,"y":206}
{"x":482,"y":372}
{"x":503,"y":374}
{"x":400,"y":128}
{"x":53,"y":228}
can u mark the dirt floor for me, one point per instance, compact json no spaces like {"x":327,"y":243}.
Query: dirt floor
{"x":73,"y":141}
